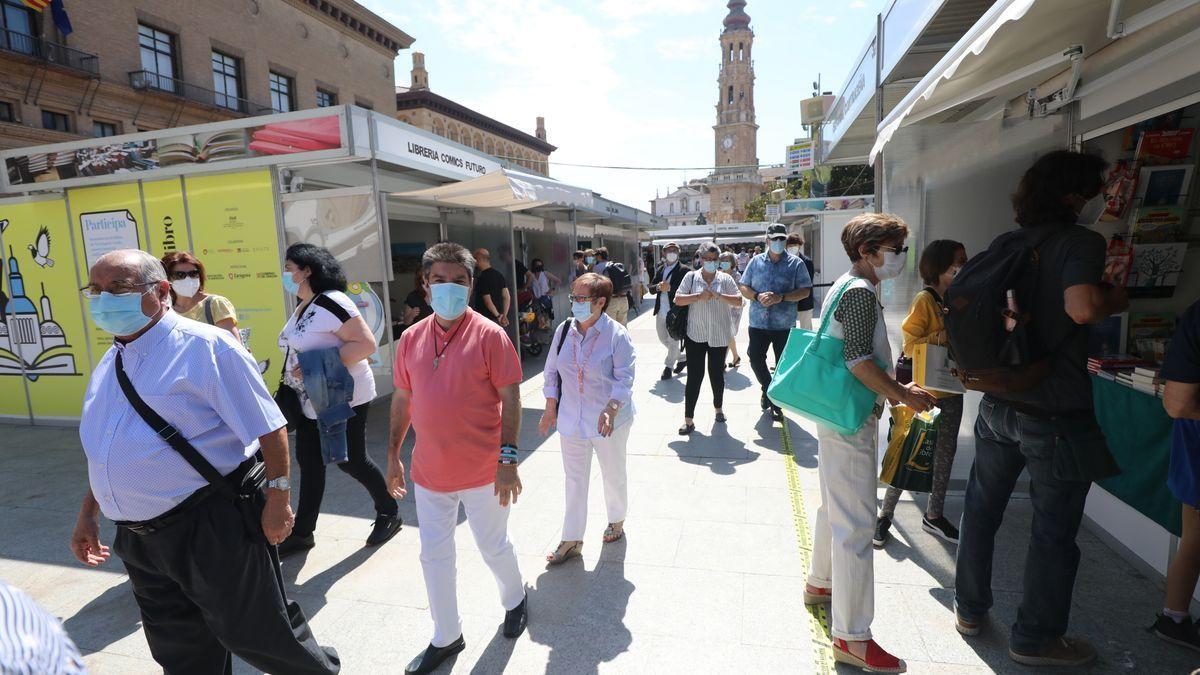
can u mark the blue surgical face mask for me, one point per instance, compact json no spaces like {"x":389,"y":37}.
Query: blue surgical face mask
{"x":449,"y":300}
{"x":120,"y":315}
{"x":726,"y":265}
{"x":591,"y":260}
{"x":289,"y":283}
{"x":710,"y":266}
{"x":581,"y":310}
{"x":778,"y":246}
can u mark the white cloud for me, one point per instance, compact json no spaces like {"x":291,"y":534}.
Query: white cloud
{"x":642,"y":8}
{"x":858,"y":4}
{"x":687,"y":49}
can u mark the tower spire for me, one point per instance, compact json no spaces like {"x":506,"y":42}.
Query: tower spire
{"x":737,"y":18}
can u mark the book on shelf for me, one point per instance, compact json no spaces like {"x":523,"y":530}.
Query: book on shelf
{"x":1118,"y":189}
{"x":1150,"y":333}
{"x":1149,"y":372}
{"x":1158,"y":224}
{"x":1165,"y":146}
{"x":1133,"y":132}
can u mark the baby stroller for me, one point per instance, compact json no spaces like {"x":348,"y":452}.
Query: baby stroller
{"x":533,"y":317}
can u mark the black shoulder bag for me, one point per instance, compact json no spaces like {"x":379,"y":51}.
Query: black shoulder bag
{"x":244,"y":485}
{"x":562,"y":337}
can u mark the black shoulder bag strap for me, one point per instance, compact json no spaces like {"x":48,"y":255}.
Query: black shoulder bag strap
{"x":169,"y":433}
{"x":208,"y":315}
{"x":562,"y":337}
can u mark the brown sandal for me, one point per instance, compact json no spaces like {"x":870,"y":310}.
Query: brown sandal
{"x":614,"y":532}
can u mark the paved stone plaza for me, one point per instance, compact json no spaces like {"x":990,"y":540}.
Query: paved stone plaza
{"x":708,"y":579}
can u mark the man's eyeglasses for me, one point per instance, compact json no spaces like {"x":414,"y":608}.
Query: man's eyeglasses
{"x":580,"y":298}
{"x":93,"y":292}
{"x":902,"y":249}
{"x":180,"y":275}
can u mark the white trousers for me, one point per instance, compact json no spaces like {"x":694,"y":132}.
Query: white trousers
{"x":842,"y":555}
{"x":674,"y":352}
{"x":577,"y":467}
{"x":437,"y":516}
{"x":805,"y":319}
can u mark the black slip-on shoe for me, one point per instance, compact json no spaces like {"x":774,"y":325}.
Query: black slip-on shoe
{"x":666,"y":373}
{"x":882,"y":525}
{"x":764,"y":402}
{"x":516,"y":619}
{"x":385,"y":528}
{"x":680,"y":366}
{"x":776,"y":413}
{"x":1183,"y":633}
{"x":428,"y":660}
{"x":295,"y":543}
{"x":941,"y":528}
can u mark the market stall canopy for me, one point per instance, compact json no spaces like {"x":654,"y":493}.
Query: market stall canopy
{"x":505,"y":190}
{"x":1014,"y":47}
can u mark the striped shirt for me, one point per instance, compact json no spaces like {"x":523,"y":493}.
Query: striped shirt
{"x":709,"y":321}
{"x":200,"y":381}
{"x":31,"y":641}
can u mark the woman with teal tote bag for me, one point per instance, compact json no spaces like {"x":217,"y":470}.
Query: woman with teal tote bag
{"x":839,"y":378}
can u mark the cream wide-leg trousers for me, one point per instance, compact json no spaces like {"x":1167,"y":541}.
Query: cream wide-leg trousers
{"x":437,"y":516}
{"x":842,"y":558}
{"x":577,"y":468}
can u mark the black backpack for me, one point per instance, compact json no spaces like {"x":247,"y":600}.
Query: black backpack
{"x":992,"y":346}
{"x":619,"y":277}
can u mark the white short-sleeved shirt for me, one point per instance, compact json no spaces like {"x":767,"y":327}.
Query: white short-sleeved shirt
{"x":315,"y":329}
{"x":709,"y":321}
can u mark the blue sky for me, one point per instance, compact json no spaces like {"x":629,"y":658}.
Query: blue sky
{"x":627,"y":82}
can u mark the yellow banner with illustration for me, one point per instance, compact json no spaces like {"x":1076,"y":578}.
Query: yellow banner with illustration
{"x":47,"y":343}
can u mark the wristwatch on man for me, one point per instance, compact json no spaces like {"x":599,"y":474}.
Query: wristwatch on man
{"x":281,"y":483}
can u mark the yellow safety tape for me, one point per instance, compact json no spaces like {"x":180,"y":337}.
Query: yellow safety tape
{"x":818,"y":614}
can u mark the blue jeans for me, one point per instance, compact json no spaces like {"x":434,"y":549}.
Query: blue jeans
{"x":1007,"y":441}
{"x":330,"y":388}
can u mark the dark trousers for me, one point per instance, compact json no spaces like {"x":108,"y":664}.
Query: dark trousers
{"x":359,"y":466}
{"x":206,"y":588}
{"x":760,"y":339}
{"x":697,"y":354}
{"x":1005,"y":443}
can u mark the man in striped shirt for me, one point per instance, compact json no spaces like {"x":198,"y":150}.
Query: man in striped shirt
{"x":206,"y":580}
{"x":31,"y":641}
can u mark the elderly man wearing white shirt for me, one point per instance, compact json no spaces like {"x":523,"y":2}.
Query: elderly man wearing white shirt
{"x":589,"y":396}
{"x":174,"y":417}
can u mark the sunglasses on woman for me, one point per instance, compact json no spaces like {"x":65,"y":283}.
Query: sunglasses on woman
{"x":179,"y":275}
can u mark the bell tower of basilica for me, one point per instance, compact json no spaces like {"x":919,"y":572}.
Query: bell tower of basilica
{"x":736,"y":179}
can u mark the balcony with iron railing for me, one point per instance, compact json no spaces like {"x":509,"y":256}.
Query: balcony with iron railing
{"x":51,"y":53}
{"x":145,"y":80}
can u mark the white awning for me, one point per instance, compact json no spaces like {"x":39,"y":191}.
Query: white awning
{"x":505,"y":190}
{"x":1017,"y":46}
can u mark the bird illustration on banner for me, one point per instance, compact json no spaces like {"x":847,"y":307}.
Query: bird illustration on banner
{"x":41,"y":251}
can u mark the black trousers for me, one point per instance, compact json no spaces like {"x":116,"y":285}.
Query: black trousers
{"x":760,"y":339}
{"x":206,"y":588}
{"x":697,"y":354}
{"x":359,"y":466}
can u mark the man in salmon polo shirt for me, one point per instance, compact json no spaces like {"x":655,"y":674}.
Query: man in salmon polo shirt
{"x":457,"y":378}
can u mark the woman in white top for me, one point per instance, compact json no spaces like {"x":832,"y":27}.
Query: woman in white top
{"x":589,"y":397}
{"x":327,"y":318}
{"x":708,"y":293}
{"x":842,"y":570}
{"x":729,"y":266}
{"x":542,"y":284}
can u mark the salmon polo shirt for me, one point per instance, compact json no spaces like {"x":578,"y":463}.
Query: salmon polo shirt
{"x":455,"y":408}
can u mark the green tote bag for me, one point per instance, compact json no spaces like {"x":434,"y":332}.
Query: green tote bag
{"x":812,"y":380}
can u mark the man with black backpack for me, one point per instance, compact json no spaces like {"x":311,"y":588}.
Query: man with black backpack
{"x":1017,"y":318}
{"x":618,"y":305}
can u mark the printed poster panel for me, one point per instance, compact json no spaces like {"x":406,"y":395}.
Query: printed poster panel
{"x":104,"y":218}
{"x":42,"y":335}
{"x":166,"y":220}
{"x":232,"y":219}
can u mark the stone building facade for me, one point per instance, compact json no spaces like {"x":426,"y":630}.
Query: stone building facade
{"x":141,"y":65}
{"x":420,"y":107}
{"x":736,"y":179}
{"x":684,"y":205}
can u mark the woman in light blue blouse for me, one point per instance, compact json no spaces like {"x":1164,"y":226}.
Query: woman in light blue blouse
{"x":589,"y":398}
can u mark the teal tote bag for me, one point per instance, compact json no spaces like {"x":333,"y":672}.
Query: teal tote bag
{"x":812,"y":380}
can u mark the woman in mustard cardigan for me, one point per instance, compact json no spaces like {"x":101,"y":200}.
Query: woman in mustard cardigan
{"x":940,"y":262}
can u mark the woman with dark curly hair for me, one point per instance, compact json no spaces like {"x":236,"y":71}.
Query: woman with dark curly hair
{"x":327,"y":319}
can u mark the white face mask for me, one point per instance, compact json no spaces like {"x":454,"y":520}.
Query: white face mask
{"x":893,"y":265}
{"x":185,"y":288}
{"x":794,"y":250}
{"x":672,"y":258}
{"x":1092,"y":210}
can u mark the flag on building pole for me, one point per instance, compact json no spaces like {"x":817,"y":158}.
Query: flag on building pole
{"x":56,"y":10}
